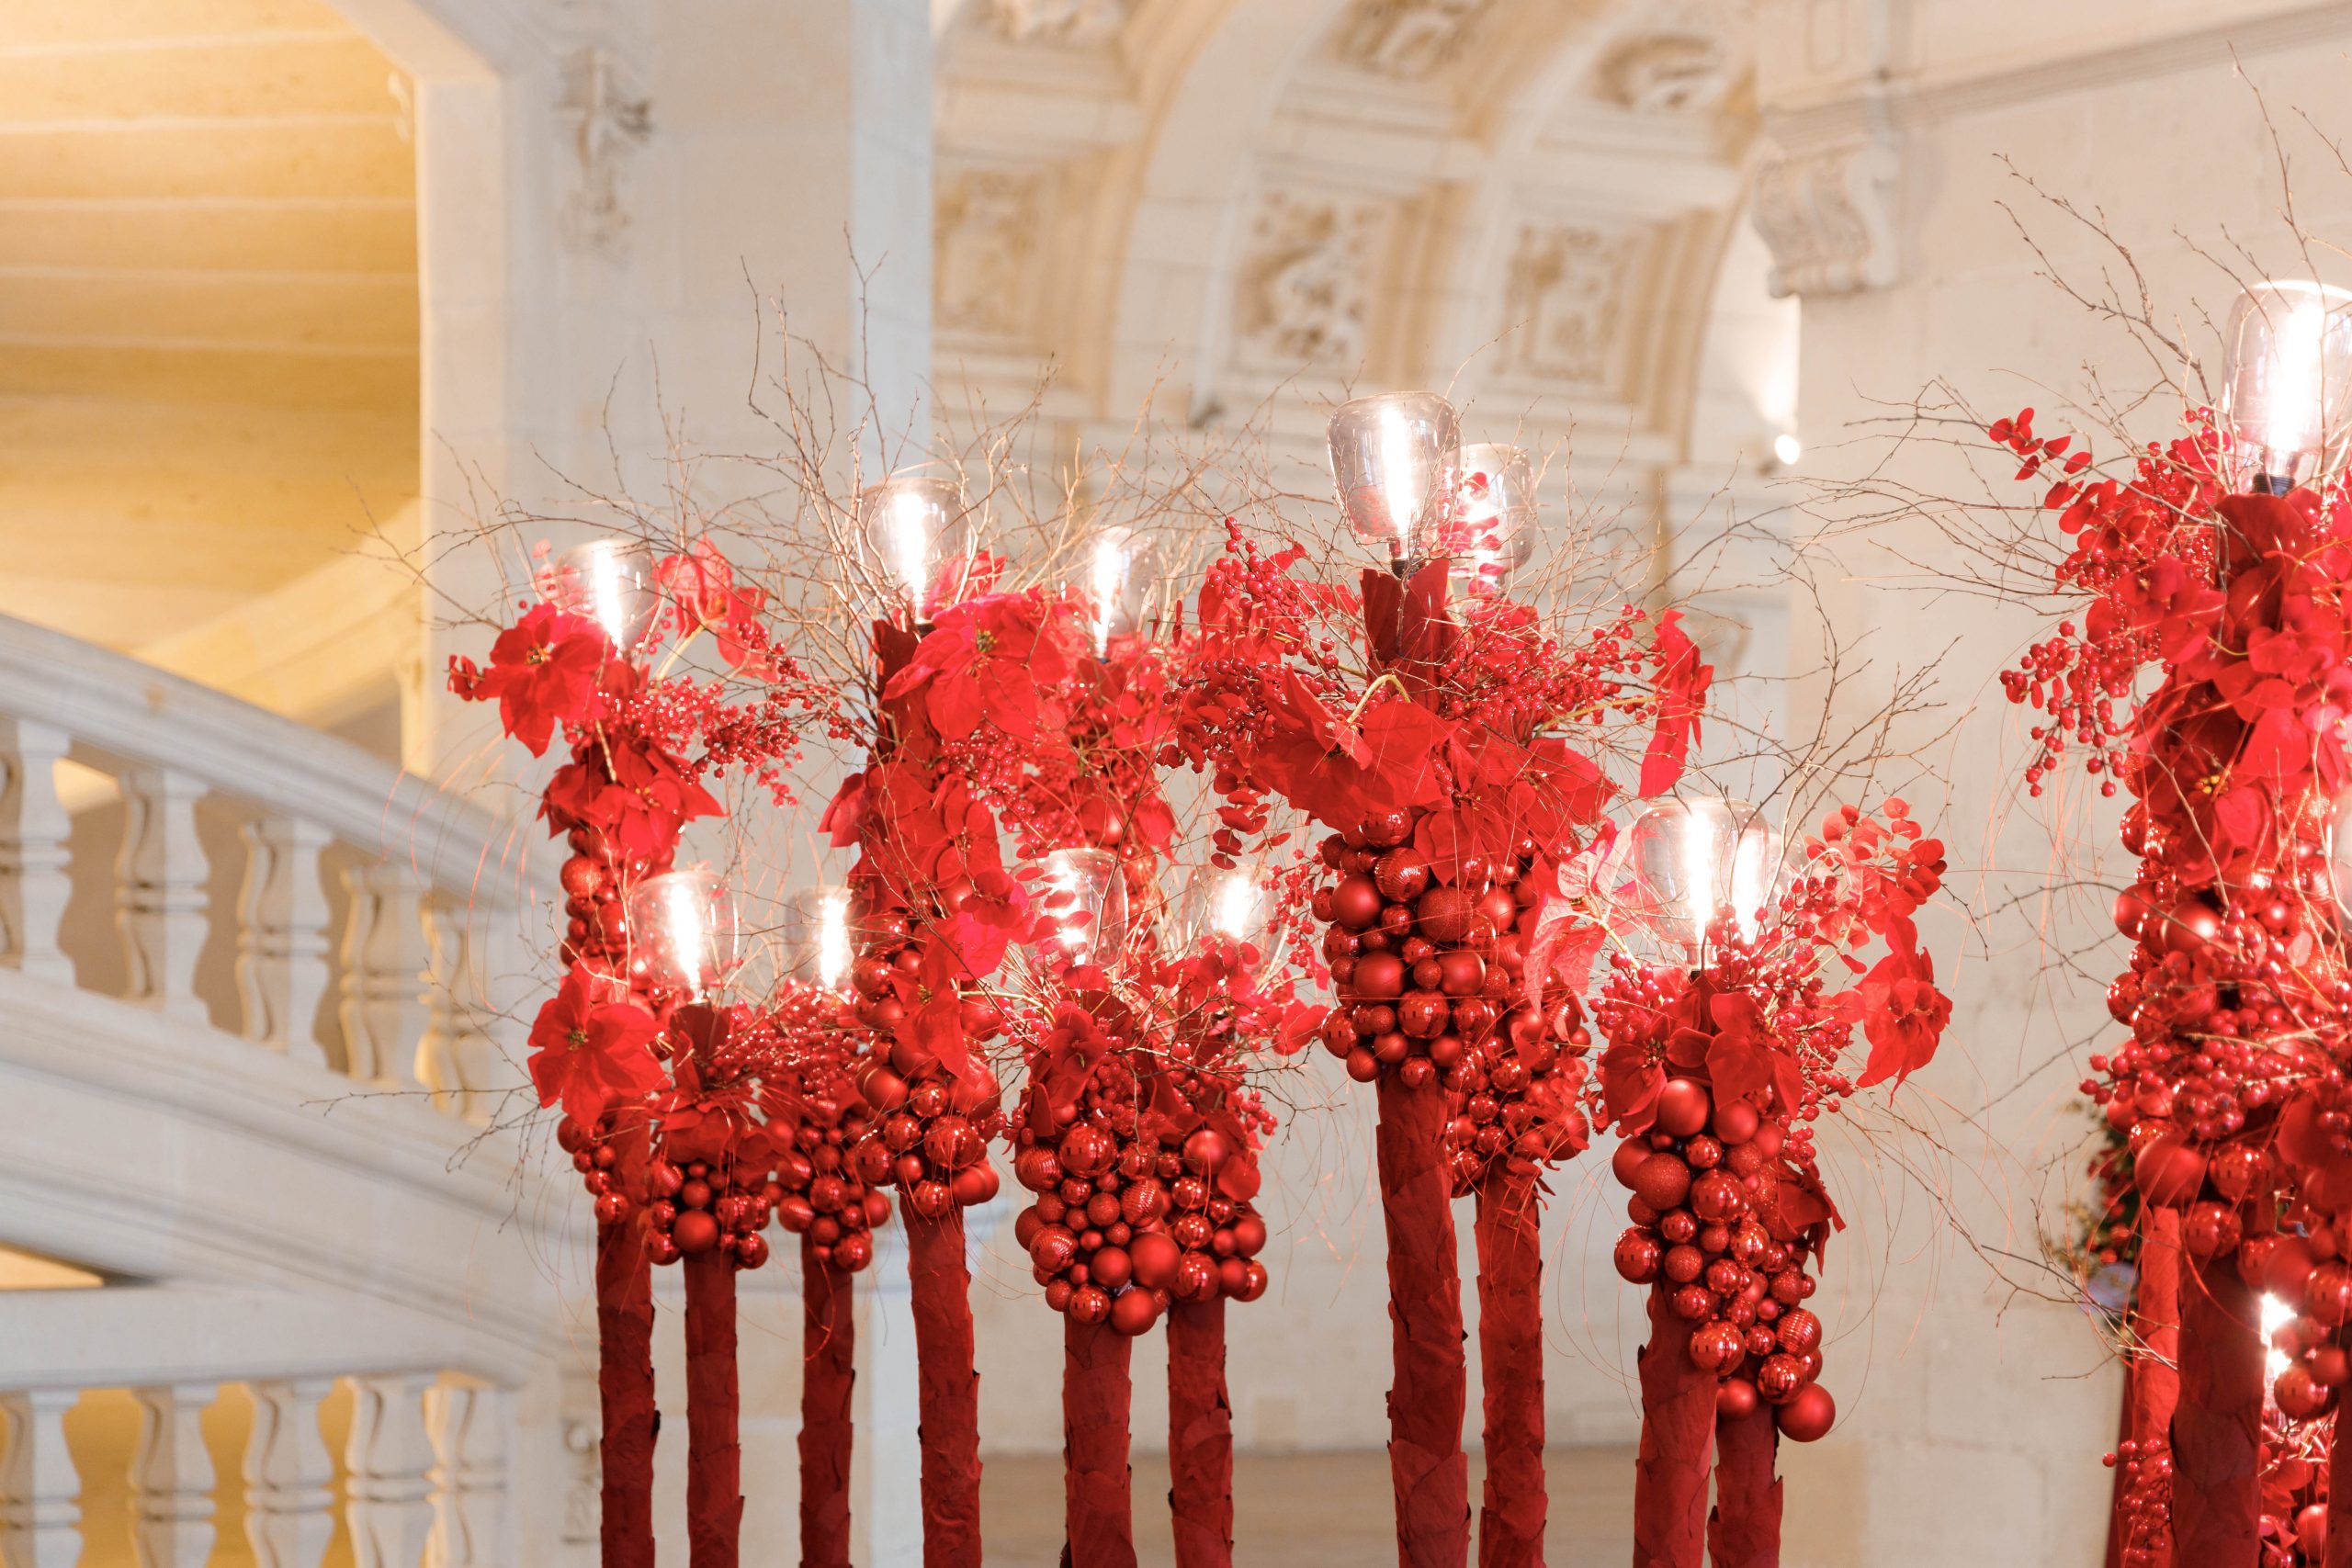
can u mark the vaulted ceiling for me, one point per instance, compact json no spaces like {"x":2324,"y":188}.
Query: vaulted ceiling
{"x":1270,"y":202}
{"x":208,"y":304}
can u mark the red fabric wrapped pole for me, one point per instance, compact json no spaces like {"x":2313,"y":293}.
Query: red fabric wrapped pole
{"x":1426,"y":1403}
{"x":1678,"y":1430}
{"x":827,"y":1384}
{"x":1097,"y":1482}
{"x":948,"y":1390}
{"x":624,"y":1362}
{"x":2338,"y":1550}
{"x":714,"y":1447}
{"x":2216,"y":1426}
{"x":1200,"y":1435}
{"x":1511,"y":1350}
{"x":1745,"y":1529}
{"x":2152,"y":1389}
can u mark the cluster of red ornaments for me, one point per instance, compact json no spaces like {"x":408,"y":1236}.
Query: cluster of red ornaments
{"x":1127,"y":1217}
{"x":699,"y":1206}
{"x":1423,"y":969}
{"x":1698,"y":1177}
{"x":931,"y":1125}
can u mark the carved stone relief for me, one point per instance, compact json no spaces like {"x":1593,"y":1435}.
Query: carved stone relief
{"x":988,"y":225}
{"x":1304,"y":291}
{"x":1564,"y":304}
{"x":1406,"y":40}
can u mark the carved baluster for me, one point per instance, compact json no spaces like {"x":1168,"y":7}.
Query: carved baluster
{"x":282,"y":947}
{"x":171,"y":1477}
{"x":468,"y":1425}
{"x":383,"y":1007}
{"x":40,"y":1492}
{"x":160,"y":899}
{"x":390,"y":1459}
{"x":34,"y":886}
{"x":289,"y":1475}
{"x":457,"y":1057}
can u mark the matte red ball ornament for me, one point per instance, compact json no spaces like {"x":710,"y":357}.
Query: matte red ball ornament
{"x":2168,"y":1172}
{"x":1683,"y":1107}
{"x":1808,"y":1414}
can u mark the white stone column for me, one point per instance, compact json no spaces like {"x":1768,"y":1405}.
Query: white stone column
{"x":289,"y":1475}
{"x":470,"y":1429}
{"x":171,"y":1477}
{"x":389,"y":1460}
{"x":34,"y":886}
{"x":40,"y":1492}
{"x":282,"y":945}
{"x":383,"y":1009}
{"x":160,"y":899}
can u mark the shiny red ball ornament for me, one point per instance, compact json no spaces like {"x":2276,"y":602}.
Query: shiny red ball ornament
{"x":1779,"y":1377}
{"x":751,"y":1251}
{"x":612,"y":1208}
{"x":1628,"y":1159}
{"x":1133,"y":1313}
{"x":1384,"y":829}
{"x":695,"y":1233}
{"x":1662,"y":1182}
{"x":1090,"y":1303}
{"x":1402,"y":875}
{"x":2210,"y":1229}
{"x":1692,"y":1302}
{"x":1808,"y":1414}
{"x":2327,"y":1293}
{"x":2311,"y":1532}
{"x":1446,"y":915}
{"x":2168,"y":1173}
{"x":1717,"y":1346}
{"x":1799,"y":1331}
{"x":1717,"y":1198}
{"x":1196,"y":1278}
{"x":2190,"y":927}
{"x":2300,"y":1396}
{"x":1638,"y":1256}
{"x":1683,"y":1108}
{"x":2238,"y":1171}
{"x":2133,"y":909}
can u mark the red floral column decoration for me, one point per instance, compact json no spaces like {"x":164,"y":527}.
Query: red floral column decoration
{"x":2229,"y":1087}
{"x":1711,"y":1077}
{"x":1437,"y":761}
{"x":640,"y":749}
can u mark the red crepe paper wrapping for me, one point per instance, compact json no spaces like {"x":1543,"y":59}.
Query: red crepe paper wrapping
{"x":2338,"y":1552}
{"x":2217,"y":1499}
{"x":1097,"y":1481}
{"x":1745,"y":1529}
{"x":714,"y":1450}
{"x":828,"y":1384}
{"x":1511,"y":1350}
{"x":1678,"y":1430}
{"x":1426,"y":1404}
{"x":624,"y":1367}
{"x":949,"y":1390}
{"x":1200,"y":1435}
{"x":2152,"y":1386}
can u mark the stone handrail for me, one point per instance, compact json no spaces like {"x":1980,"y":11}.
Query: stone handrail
{"x":432,"y":887}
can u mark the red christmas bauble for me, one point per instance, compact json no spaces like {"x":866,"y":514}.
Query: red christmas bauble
{"x":2311,"y":1532}
{"x":1683,"y":1108}
{"x":1717,"y":1346}
{"x":1133,"y":1313}
{"x":1808,"y":1414}
{"x":1155,"y":1257}
{"x":1662,"y":1182}
{"x":1627,"y":1159}
{"x":1380,"y":977}
{"x":1446,"y":915}
{"x":1356,"y":902}
{"x":2300,"y":1397}
{"x":1402,"y":875}
{"x":1637,"y":1257}
{"x":1735,"y":1398}
{"x":1090,"y":1303}
{"x":2167,"y":1172}
{"x":695,"y":1233}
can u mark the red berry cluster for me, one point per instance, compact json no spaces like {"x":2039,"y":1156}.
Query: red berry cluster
{"x":1699,"y":1178}
{"x":1423,"y":969}
{"x":697,"y":1206}
{"x":594,"y":1157}
{"x":2143,"y":1502}
{"x":1129,"y":1215}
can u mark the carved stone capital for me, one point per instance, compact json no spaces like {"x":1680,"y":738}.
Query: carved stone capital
{"x":1827,"y":210}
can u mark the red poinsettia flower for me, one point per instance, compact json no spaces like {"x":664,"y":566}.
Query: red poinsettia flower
{"x":1680,"y":684}
{"x":990,"y":660}
{"x":640,"y":804}
{"x":592,"y":1055}
{"x":701,"y":583}
{"x":1903,"y":1014}
{"x":543,"y":671}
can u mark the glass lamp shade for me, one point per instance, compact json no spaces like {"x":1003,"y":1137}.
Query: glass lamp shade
{"x":1692,"y":859}
{"x":1116,"y":583}
{"x":1083,"y":894}
{"x":611,"y":582}
{"x":2287,"y":386}
{"x":684,"y":930}
{"x":819,"y":943}
{"x":1492,"y":531}
{"x":1230,"y":910}
{"x":1396,"y":461}
{"x":916,"y":537}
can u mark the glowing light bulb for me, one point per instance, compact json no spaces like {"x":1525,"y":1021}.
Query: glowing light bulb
{"x":1231,"y":911}
{"x":1395,"y":462}
{"x":684,"y":930}
{"x":1118,"y":585}
{"x":1492,"y":530}
{"x":1787,"y":448}
{"x":819,"y":945}
{"x":1085,"y":895}
{"x":2287,"y":385}
{"x":1693,"y":860}
{"x":916,"y":535}
{"x":611,"y":582}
